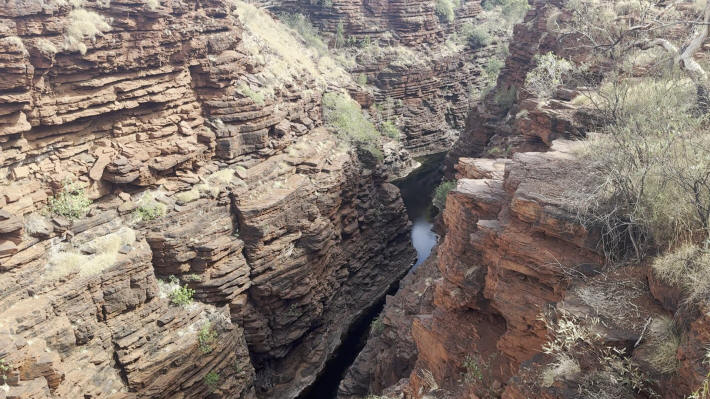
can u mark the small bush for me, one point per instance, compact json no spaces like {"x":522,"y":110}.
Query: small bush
{"x":445,"y":9}
{"x":192,"y":277}
{"x":343,"y":114}
{"x":185,"y":197}
{"x":362,"y":79}
{"x":377,"y":326}
{"x":549,"y":73}
{"x":148,"y":208}
{"x":340,"y":35}
{"x":473,"y":372}
{"x":442,"y":190}
{"x":212,"y":381}
{"x":687,"y":268}
{"x":665,"y":341}
{"x":255,"y":95}
{"x":513,"y":10}
{"x":98,"y":254}
{"x":492,"y":69}
{"x":181,"y":296}
{"x":47,"y":47}
{"x":83,"y":25}
{"x":390,"y":130}
{"x":72,"y":202}
{"x":475,"y":36}
{"x":4,"y":370}
{"x":651,"y":166}
{"x":207,"y":338}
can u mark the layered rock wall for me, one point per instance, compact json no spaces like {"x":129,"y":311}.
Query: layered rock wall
{"x":422,"y":68}
{"x":284,"y":236}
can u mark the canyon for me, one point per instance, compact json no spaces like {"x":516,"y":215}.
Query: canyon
{"x":183,"y":216}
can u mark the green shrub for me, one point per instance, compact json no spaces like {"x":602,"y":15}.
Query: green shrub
{"x":362,"y":79}
{"x":207,"y":338}
{"x":492,"y":69}
{"x":445,"y":9}
{"x":180,"y":295}
{"x":390,"y":130}
{"x":254,"y":95}
{"x":473,"y":372}
{"x":72,"y":202}
{"x":377,"y":326}
{"x":652,"y":165}
{"x":149,"y":208}
{"x":442,"y":190}
{"x":475,"y":36}
{"x":4,"y":370}
{"x":345,"y":116}
{"x":212,"y":381}
{"x":340,"y":35}
{"x":549,"y":73}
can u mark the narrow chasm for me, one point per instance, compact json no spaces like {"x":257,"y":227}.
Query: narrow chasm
{"x":417,"y":189}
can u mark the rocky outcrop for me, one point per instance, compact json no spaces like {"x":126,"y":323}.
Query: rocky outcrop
{"x":178,"y":144}
{"x":517,"y":271}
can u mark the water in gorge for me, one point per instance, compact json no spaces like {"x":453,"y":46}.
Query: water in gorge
{"x":417,"y":190}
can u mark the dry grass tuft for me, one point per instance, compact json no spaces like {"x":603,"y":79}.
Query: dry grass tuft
{"x":688,"y":267}
{"x":92,"y":258}
{"x":83,"y":24}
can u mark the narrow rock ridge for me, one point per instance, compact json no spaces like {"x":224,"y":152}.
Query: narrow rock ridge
{"x":282,"y":233}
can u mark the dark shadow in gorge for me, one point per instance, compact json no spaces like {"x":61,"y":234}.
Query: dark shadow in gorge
{"x":417,"y":191}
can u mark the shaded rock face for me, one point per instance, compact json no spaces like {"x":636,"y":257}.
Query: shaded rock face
{"x":430,"y":87}
{"x":277,"y":227}
{"x":390,"y":352}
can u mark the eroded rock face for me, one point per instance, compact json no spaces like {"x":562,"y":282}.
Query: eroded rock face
{"x":421,"y":71}
{"x":514,"y":253}
{"x":284,"y":236}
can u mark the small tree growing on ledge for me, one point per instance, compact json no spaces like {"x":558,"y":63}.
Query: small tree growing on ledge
{"x":442,"y":190}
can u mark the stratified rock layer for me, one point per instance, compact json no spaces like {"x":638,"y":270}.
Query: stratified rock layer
{"x":422,"y":68}
{"x":282,"y":233}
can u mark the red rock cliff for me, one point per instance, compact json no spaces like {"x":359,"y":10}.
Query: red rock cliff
{"x":202,"y":149}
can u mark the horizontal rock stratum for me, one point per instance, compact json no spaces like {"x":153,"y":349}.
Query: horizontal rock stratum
{"x":174,"y":139}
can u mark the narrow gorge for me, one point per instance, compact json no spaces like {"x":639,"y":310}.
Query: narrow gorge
{"x":343,"y":199}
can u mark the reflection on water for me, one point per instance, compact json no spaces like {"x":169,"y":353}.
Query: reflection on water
{"x":417,"y":191}
{"x":423,"y":238}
